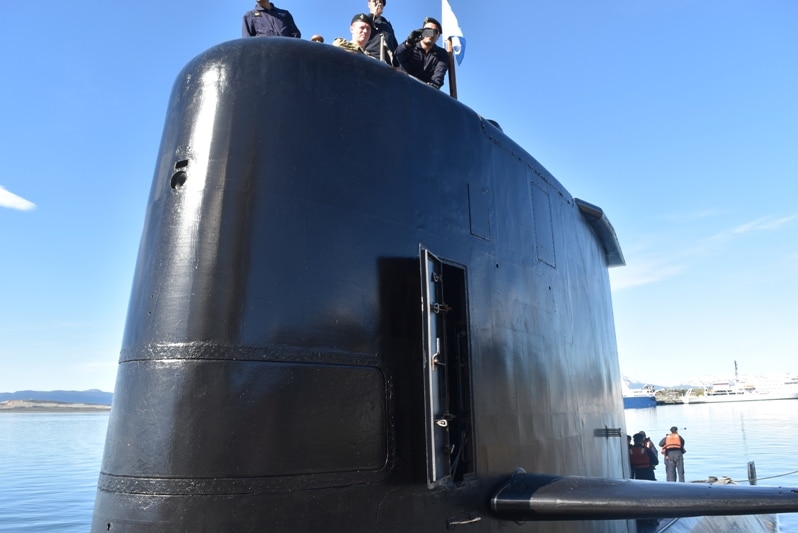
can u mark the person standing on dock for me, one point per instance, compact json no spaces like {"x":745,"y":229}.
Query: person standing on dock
{"x":673,"y":449}
{"x":642,"y":459}
{"x":650,"y":445}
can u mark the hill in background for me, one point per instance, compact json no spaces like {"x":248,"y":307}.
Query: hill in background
{"x":92,"y":396}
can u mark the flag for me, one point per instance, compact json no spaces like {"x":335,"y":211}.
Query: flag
{"x":451,"y":30}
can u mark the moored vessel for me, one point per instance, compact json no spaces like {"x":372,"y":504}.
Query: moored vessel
{"x":328,"y":333}
{"x":746,"y":390}
{"x":639,"y":398}
{"x":725,"y":392}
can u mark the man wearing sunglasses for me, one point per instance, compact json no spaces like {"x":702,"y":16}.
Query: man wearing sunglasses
{"x":382,"y":43}
{"x":420,"y":57}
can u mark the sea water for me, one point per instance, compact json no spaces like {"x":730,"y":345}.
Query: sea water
{"x":722,"y":438}
{"x":49,"y":463}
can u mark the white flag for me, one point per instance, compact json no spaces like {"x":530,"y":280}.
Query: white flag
{"x":451,"y":30}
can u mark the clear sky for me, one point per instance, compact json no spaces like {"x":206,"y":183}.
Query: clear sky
{"x":679,"y":118}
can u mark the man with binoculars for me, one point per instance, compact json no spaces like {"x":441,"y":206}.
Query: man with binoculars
{"x":420,"y":57}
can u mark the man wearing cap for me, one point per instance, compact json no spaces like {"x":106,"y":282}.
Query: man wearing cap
{"x":420,"y":57}
{"x":641,"y":459}
{"x":673,"y":448}
{"x":269,"y":20}
{"x":360,"y":28}
{"x":382,"y":43}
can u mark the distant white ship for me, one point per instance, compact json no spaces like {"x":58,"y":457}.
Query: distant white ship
{"x":733,"y":391}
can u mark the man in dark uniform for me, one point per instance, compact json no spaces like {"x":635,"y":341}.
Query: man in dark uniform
{"x":269,"y":20}
{"x":382,"y":43}
{"x":420,"y":57}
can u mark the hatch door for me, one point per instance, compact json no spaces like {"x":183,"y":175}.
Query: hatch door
{"x":437,"y":417}
{"x":447,"y":374}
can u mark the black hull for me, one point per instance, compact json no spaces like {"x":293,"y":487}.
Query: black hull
{"x":277,"y":368}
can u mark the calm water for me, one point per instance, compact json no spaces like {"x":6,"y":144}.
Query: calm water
{"x":721,"y":439}
{"x":49,"y":463}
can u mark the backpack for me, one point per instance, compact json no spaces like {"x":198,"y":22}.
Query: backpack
{"x":652,"y":454}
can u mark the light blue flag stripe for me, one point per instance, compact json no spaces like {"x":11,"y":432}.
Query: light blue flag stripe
{"x":451,"y":30}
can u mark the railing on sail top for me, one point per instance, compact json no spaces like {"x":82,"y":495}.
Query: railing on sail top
{"x":452,"y":74}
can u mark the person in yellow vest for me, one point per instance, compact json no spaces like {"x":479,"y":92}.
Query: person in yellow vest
{"x":673,"y":449}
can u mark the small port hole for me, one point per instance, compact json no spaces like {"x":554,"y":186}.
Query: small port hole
{"x":178,"y":180}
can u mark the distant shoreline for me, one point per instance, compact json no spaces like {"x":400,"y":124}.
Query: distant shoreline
{"x":33,"y":406}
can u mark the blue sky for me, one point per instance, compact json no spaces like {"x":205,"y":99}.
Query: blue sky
{"x":678,"y":118}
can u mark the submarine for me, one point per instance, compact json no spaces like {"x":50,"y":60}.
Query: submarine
{"x":359,"y":306}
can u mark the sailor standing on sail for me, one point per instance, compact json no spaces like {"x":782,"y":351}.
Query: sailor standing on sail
{"x":360,"y":30}
{"x":269,"y":20}
{"x":673,"y":449}
{"x":420,"y":57}
{"x":382,"y":43}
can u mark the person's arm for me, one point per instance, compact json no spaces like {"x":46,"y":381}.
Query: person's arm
{"x":441,"y":67}
{"x":390,"y":37}
{"x":403,"y":54}
{"x":652,"y":456}
{"x":292,"y":27}
{"x":650,"y":446}
{"x":247,"y":30}
{"x":347,"y":45}
{"x":390,"y":56}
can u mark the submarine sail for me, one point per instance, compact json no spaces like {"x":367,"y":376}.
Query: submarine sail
{"x":339,"y":322}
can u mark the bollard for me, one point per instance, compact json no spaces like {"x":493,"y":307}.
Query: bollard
{"x":751,"y":473}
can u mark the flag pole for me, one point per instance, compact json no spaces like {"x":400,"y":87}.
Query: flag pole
{"x":452,"y":74}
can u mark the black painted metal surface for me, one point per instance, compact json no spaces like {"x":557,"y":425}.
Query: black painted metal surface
{"x":535,"y":497}
{"x":358,"y":306}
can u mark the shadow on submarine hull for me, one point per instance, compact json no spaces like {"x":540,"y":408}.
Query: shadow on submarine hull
{"x":342,"y":319}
